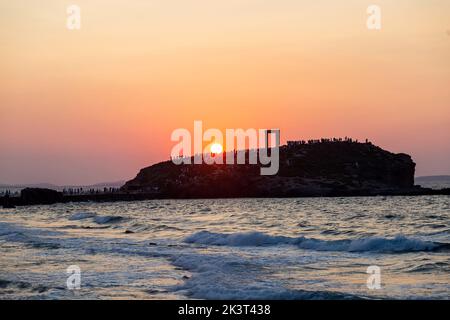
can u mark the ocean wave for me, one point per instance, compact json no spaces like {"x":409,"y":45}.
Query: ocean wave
{"x":429,"y":266}
{"x":256,"y":293}
{"x":397,"y":244}
{"x":34,"y":237}
{"x":96,"y":218}
{"x":107,"y":219}
{"x":225,"y":277}
{"x":82,"y":216}
{"x":73,"y":226}
{"x":166,"y":227}
{"x":22,"y":285}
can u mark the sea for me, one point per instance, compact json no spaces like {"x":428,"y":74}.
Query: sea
{"x":290,"y":248}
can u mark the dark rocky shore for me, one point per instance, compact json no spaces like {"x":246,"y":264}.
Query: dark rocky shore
{"x":315,"y":169}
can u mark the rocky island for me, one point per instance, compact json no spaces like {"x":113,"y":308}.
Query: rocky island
{"x":326,"y":167}
{"x":315,"y":168}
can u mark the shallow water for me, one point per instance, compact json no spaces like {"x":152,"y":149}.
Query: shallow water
{"x":300,"y":248}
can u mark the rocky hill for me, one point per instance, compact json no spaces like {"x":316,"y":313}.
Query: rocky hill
{"x":319,"y":168}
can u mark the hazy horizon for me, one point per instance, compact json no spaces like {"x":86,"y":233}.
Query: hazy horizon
{"x":98,"y":104}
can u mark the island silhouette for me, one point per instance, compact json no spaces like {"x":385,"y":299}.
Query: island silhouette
{"x":324,"y":167}
{"x":314,"y":168}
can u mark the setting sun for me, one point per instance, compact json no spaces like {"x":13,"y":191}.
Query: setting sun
{"x":216,"y":148}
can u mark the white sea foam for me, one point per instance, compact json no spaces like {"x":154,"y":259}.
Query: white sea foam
{"x":96,"y":218}
{"x":220,"y":277}
{"x":375,"y":244}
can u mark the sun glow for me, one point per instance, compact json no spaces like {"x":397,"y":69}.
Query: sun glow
{"x":216,"y":148}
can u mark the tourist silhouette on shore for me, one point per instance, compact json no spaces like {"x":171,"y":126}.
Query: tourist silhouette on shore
{"x":7,"y":203}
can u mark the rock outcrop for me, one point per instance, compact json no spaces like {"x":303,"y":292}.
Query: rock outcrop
{"x":40,"y":196}
{"x":330,"y":168}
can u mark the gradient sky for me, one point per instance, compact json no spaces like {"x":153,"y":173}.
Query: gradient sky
{"x":98,"y":104}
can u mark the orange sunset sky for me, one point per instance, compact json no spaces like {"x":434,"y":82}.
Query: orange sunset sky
{"x":97,"y":104}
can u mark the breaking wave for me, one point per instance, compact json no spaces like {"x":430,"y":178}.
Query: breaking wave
{"x":397,"y":244}
{"x":96,"y":218}
{"x":82,"y":216}
{"x":107,"y":219}
{"x":33,"y":237}
{"x":222,"y":277}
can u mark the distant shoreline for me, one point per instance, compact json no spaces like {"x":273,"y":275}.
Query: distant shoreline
{"x":58,"y":187}
{"x":122,"y":196}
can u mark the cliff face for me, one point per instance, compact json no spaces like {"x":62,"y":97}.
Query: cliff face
{"x":315,"y":169}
